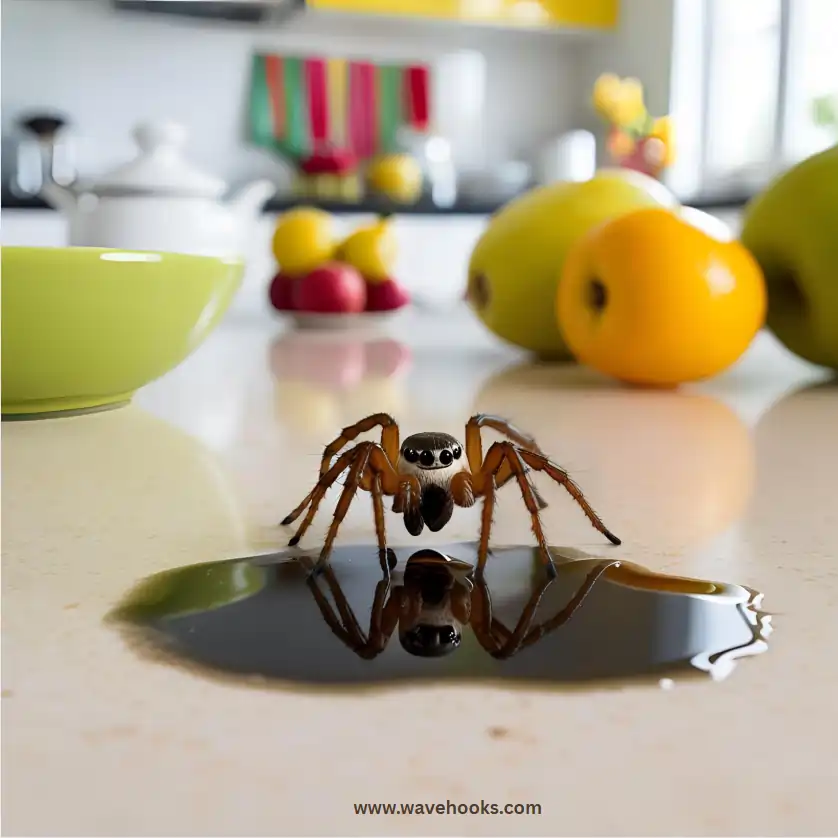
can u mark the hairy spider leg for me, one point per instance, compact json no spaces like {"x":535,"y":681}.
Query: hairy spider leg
{"x":389,"y":438}
{"x":370,"y":469}
{"x":518,"y":459}
{"x":370,"y":455}
{"x":538,"y":462}
{"x":389,"y":442}
{"x":474,"y":447}
{"x":350,"y":489}
{"x":318,"y":493}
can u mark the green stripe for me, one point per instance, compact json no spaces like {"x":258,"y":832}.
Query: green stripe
{"x":297,"y":141}
{"x":261,"y":123}
{"x":389,"y":101}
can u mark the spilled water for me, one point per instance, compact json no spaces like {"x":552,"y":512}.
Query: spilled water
{"x":431,"y":619}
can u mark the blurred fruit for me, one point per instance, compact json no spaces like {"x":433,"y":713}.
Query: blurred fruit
{"x":333,"y":288}
{"x":386,"y":295}
{"x":281,"y":292}
{"x":396,"y":176}
{"x":792,"y":230}
{"x":662,"y":130}
{"x":371,"y":250}
{"x":386,"y":357}
{"x":517,"y":262}
{"x":620,"y":144}
{"x":651,"y":185}
{"x":332,"y":362}
{"x":303,"y":239}
{"x":650,"y":299}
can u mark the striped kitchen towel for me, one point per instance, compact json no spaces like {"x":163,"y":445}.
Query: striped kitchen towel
{"x":302,"y":105}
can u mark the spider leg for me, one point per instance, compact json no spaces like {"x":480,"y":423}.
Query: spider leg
{"x":318,"y":493}
{"x":474,"y":447}
{"x":499,"y":453}
{"x":389,"y":438}
{"x":404,"y":488}
{"x":481,"y":616}
{"x":474,"y":442}
{"x":383,"y":618}
{"x":353,"y":481}
{"x":569,"y":610}
{"x":347,"y":628}
{"x":539,"y":462}
{"x":378,"y":514}
{"x":389,"y":442}
{"x":505,"y":474}
{"x":513,"y":639}
{"x":488,"y":493}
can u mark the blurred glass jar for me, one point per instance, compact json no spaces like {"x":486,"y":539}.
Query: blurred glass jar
{"x":45,"y":151}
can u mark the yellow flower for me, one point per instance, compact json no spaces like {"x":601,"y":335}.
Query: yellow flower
{"x":606,"y":93}
{"x":620,"y":101}
{"x":629,"y":107}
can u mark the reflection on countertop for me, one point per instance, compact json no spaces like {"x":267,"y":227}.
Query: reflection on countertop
{"x":597,"y":620}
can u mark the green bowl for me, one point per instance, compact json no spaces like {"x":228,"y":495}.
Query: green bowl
{"x":86,"y":327}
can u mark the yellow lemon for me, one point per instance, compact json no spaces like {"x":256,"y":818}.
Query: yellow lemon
{"x":397,"y":176}
{"x":303,"y":240}
{"x":371,"y":250}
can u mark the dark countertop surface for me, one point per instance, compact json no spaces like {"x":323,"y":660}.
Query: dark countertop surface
{"x":372,"y":205}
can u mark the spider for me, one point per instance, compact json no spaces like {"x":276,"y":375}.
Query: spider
{"x":429,"y":474}
{"x":436,"y":598}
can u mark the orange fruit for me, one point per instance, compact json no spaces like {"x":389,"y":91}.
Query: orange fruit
{"x":650,"y":299}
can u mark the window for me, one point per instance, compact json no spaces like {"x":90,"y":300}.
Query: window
{"x":755,"y":89}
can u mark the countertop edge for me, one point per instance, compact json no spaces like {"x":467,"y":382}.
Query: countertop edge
{"x":423,"y":208}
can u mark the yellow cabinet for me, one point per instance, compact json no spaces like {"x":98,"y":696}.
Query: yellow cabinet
{"x":597,"y":14}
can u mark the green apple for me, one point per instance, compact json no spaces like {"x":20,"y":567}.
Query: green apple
{"x":516,"y":264}
{"x":792,"y":230}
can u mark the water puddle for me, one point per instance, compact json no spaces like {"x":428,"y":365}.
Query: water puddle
{"x":430,"y":619}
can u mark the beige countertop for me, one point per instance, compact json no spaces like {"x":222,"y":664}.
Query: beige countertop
{"x":733,"y":480}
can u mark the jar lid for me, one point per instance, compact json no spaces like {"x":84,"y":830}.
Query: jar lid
{"x":159,"y":167}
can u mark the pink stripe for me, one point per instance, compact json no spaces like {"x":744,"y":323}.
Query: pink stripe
{"x":318,"y":107}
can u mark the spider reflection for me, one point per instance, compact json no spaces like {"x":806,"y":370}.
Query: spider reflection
{"x":435,"y":599}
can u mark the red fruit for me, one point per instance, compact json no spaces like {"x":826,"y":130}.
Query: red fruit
{"x":333,"y":288}
{"x":281,"y":292}
{"x":386,"y":296}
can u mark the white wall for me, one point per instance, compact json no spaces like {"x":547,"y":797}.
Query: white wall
{"x":106,"y":70}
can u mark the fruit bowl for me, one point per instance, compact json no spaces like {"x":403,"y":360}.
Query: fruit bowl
{"x":87,"y":327}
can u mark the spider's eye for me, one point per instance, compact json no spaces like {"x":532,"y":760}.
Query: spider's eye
{"x":410,"y":455}
{"x":457,"y":452}
{"x":446,"y":457}
{"x":426,"y":458}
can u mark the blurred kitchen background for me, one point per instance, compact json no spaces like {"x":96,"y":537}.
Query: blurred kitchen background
{"x":491,"y":96}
